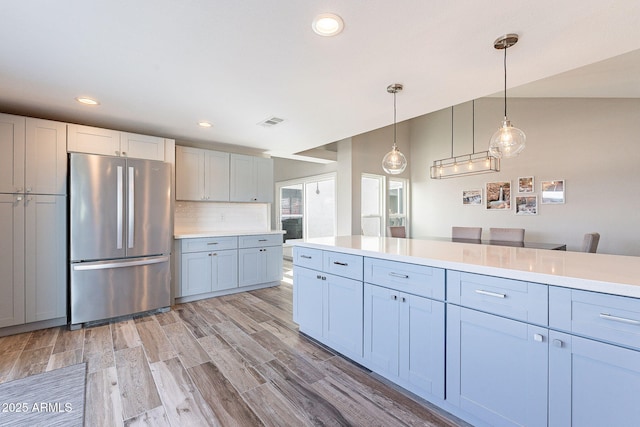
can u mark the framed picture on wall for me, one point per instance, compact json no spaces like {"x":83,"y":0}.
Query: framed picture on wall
{"x":498,"y":195}
{"x":525,"y":184}
{"x":526,"y":205}
{"x":553,"y":192}
{"x":472,"y":197}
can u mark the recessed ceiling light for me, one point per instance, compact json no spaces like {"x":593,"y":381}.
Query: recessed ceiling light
{"x":327,"y":24}
{"x":87,"y":101}
{"x":204,"y":124}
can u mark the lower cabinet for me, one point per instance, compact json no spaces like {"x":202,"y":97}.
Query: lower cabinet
{"x":308,"y":306}
{"x":404,"y":338}
{"x":497,"y":368}
{"x":592,"y":383}
{"x":259,"y":265}
{"x":209,"y":271}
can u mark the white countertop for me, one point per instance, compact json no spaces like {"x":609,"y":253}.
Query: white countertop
{"x":204,"y":233}
{"x":612,"y":274}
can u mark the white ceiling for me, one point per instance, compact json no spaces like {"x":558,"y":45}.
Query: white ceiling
{"x":160,"y":66}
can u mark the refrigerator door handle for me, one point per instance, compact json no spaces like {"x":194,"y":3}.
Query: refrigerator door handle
{"x":119,"y":203}
{"x":119,"y":264}
{"x":131,"y":209}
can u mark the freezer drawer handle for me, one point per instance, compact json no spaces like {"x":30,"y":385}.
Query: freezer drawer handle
{"x":121,"y":264}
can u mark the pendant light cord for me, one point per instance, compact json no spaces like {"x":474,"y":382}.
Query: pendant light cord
{"x":505,"y":83}
{"x":452,"y":131}
{"x":394,"y":117}
{"x":473,"y":126}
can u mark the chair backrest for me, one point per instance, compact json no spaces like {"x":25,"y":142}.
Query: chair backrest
{"x":474,"y":233}
{"x":507,"y":234}
{"x":397,"y":231}
{"x":590,"y":242}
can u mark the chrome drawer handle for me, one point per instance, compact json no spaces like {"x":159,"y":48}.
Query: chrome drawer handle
{"x":262,"y":240}
{"x":212,"y":243}
{"x":490,"y":294}
{"x":305,"y":256}
{"x":344,"y":264}
{"x":619,"y":319}
{"x":402,"y":276}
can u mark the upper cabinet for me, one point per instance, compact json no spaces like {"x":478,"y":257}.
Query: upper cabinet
{"x":251,"y":179}
{"x":35,"y":158}
{"x":202,"y":175}
{"x":213,"y":176}
{"x":87,"y":139}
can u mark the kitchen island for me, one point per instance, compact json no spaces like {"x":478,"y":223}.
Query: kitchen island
{"x":215,"y":263}
{"x":496,"y":335}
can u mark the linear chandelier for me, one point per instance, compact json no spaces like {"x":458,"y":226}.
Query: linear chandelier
{"x":466,"y":164}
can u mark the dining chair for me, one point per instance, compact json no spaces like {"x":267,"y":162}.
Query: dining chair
{"x":397,"y":231}
{"x":507,"y":234}
{"x":590,"y":242}
{"x":474,"y":233}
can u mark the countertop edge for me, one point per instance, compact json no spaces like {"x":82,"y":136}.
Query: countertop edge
{"x":201,"y":234}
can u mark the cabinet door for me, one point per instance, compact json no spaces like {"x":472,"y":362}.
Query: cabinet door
{"x":243,"y":179}
{"x":11,"y":259}
{"x":250,"y":266}
{"x":497,"y":368}
{"x":141,"y":146}
{"x":381,"y":326}
{"x":46,"y":157}
{"x":12,"y":139}
{"x":216,"y":176}
{"x":224,"y":270}
{"x":86,"y":139}
{"x":264,"y":180}
{"x":422,"y":343}
{"x":273,"y":263}
{"x":308,"y":305}
{"x":196,"y":273}
{"x":189,"y":173}
{"x":45,"y":260}
{"x":343,"y":320}
{"x":592,"y":383}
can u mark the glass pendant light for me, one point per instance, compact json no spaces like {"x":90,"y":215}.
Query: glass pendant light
{"x":508,"y":141}
{"x":394,"y":162}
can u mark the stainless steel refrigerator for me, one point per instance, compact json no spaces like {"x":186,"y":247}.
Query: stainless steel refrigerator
{"x":120,"y":236}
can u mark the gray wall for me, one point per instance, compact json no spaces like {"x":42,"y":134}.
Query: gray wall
{"x":590,"y":143}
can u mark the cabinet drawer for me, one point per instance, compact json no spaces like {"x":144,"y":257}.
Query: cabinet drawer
{"x":259,"y":240}
{"x":209,"y":244}
{"x":306,"y":257}
{"x":344,"y":265}
{"x":609,"y":318}
{"x":411,"y":278}
{"x":505,"y":297}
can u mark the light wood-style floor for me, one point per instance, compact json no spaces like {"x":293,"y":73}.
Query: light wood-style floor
{"x":236,"y":360}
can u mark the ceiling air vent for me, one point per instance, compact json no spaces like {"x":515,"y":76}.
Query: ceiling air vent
{"x":271,"y":121}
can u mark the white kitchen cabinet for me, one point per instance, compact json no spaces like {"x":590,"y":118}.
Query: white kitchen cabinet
{"x":404,"y":339}
{"x":12,"y":254}
{"x":107,"y":142}
{"x":251,"y":179}
{"x":308,"y":307}
{"x":202,"y":175}
{"x":34,"y":156}
{"x":342,"y":317}
{"x":32,"y":263}
{"x":259,"y":259}
{"x":204,"y":272}
{"x":45,"y":257}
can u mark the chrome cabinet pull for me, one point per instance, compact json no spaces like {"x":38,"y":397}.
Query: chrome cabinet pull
{"x":394,"y":297}
{"x":212,"y":243}
{"x":262,"y":240}
{"x":607,"y":316}
{"x":305,"y":256}
{"x":490,"y":294}
{"x":344,"y":264}
{"x":401,"y":276}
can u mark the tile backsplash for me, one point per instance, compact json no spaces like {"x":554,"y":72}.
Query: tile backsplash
{"x":194,"y":217}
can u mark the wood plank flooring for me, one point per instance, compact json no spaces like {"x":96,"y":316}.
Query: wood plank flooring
{"x":236,"y":360}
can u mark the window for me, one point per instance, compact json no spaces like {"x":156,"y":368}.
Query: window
{"x":306,"y":207}
{"x":372,"y":205}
